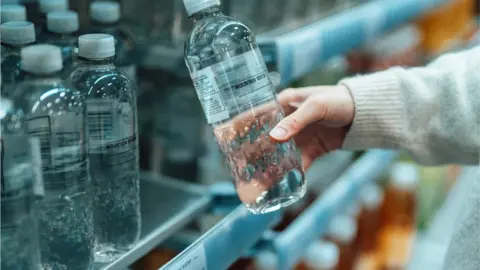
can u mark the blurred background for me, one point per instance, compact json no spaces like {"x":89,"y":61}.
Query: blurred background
{"x":394,"y":213}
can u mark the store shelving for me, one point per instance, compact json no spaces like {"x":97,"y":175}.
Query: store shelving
{"x":291,"y":244}
{"x":166,"y":207}
{"x":298,"y":52}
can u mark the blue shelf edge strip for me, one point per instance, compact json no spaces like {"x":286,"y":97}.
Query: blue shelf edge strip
{"x":299,"y":52}
{"x":291,"y":244}
{"x":225,"y":242}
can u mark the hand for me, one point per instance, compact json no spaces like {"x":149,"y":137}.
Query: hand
{"x":318,"y":118}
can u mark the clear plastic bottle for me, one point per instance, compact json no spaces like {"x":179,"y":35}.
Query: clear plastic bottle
{"x":13,"y":13}
{"x":14,"y":36}
{"x":19,"y":232}
{"x":113,"y":145}
{"x":55,"y":115}
{"x":47,"y":6}
{"x":238,"y":98}
{"x":105,"y":19}
{"x":62,"y":27}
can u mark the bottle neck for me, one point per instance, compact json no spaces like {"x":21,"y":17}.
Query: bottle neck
{"x":204,"y":14}
{"x":14,"y":49}
{"x":29,"y":76}
{"x":105,"y":62}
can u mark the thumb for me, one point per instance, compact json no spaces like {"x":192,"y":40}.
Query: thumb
{"x":306,"y":114}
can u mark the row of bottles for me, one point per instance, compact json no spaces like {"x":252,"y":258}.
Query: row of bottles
{"x":70,"y":170}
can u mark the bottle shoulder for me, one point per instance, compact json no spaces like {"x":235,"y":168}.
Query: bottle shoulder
{"x":217,"y":36}
{"x":102,"y":82}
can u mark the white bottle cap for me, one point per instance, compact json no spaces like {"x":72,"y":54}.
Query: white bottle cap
{"x":41,"y":59}
{"x":17,"y":33}
{"x":404,"y":176}
{"x":372,"y":197}
{"x":105,"y":11}
{"x":96,"y":46}
{"x":63,"y":22}
{"x":343,"y":229}
{"x":322,"y":255}
{"x":354,"y":209}
{"x":13,"y":13}
{"x":47,"y":6}
{"x":266,"y":260}
{"x":194,"y":6}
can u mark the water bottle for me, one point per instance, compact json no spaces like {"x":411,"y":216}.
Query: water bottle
{"x":19,"y":234}
{"x":47,"y":6}
{"x":14,"y":36}
{"x":55,"y":115}
{"x":62,"y":27}
{"x":13,"y":12}
{"x":113,"y":145}
{"x":238,"y":98}
{"x":105,"y":20}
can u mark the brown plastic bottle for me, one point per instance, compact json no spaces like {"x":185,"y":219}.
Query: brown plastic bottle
{"x":342,"y":231}
{"x":398,"y":217}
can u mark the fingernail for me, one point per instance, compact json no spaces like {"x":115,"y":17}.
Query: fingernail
{"x":278,"y":133}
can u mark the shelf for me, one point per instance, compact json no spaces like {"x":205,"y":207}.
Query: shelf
{"x":290,"y":245}
{"x":166,"y":207}
{"x":298,"y":52}
{"x":225,"y":242}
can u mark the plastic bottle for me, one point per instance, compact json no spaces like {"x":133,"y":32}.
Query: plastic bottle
{"x":342,"y":231}
{"x":14,"y":36}
{"x":55,"y":115}
{"x":62,"y":27}
{"x":113,"y":145}
{"x":398,"y":217}
{"x":105,"y":19}
{"x":13,"y":13}
{"x":47,"y":6}
{"x":371,"y":197}
{"x":320,"y":255}
{"x":238,"y":98}
{"x":19,"y":232}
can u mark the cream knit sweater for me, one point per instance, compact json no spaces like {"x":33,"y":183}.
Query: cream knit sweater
{"x":434,"y":114}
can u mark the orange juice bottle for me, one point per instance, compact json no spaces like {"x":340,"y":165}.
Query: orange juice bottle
{"x":320,"y":255}
{"x":398,"y":217}
{"x":342,"y":231}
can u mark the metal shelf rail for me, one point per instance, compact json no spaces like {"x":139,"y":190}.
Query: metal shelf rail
{"x":297,"y":53}
{"x":290,"y":245}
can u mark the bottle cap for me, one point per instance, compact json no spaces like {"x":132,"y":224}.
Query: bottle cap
{"x":404,"y":176}
{"x":354,"y":209}
{"x":17,"y":33}
{"x":322,"y":255}
{"x":343,"y":229}
{"x":96,"y":46}
{"x":266,"y":260}
{"x":47,"y":6}
{"x":62,"y":22}
{"x":371,"y":196}
{"x":194,"y":6}
{"x":41,"y":59}
{"x":105,"y":11}
{"x":13,"y":13}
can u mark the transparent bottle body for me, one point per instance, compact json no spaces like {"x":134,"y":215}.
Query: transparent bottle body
{"x":55,"y":117}
{"x":19,"y":232}
{"x":111,"y":116}
{"x":11,"y":69}
{"x":177,"y":131}
{"x":239,"y":100}
{"x":68,"y":45}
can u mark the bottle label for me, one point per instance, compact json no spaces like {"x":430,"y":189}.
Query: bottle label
{"x":233,"y":86}
{"x":61,"y":141}
{"x":111,"y":133}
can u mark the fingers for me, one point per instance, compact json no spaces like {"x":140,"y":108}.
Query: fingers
{"x":309,"y":112}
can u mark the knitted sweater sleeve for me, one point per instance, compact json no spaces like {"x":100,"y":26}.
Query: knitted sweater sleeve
{"x":432,"y":112}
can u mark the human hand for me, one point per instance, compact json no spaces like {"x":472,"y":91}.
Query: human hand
{"x":318,"y":118}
